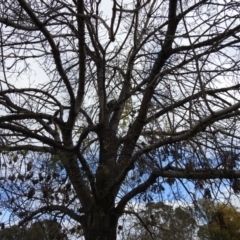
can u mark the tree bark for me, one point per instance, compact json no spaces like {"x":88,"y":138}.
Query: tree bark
{"x":100,"y":225}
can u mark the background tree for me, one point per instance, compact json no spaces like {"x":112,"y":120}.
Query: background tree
{"x":222,"y":222}
{"x":43,"y":230}
{"x":206,"y":219}
{"x":100,"y":108}
{"x":165,"y":222}
{"x":12,"y":233}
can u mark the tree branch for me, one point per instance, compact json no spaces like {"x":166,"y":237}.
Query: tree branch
{"x":51,"y":208}
{"x":55,"y":50}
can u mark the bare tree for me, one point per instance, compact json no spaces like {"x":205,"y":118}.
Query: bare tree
{"x":99,"y":107}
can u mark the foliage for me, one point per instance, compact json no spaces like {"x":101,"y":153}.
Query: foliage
{"x":165,"y":222}
{"x":223,"y":222}
{"x":12,"y":233}
{"x":206,"y":220}
{"x":101,"y":109}
{"x":44,"y":230}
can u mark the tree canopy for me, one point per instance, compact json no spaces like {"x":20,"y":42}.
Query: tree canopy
{"x":101,"y":107}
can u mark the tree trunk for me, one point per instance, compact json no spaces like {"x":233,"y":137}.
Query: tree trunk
{"x":100,"y":225}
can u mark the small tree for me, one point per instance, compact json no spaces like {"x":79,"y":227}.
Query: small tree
{"x":126,"y":103}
